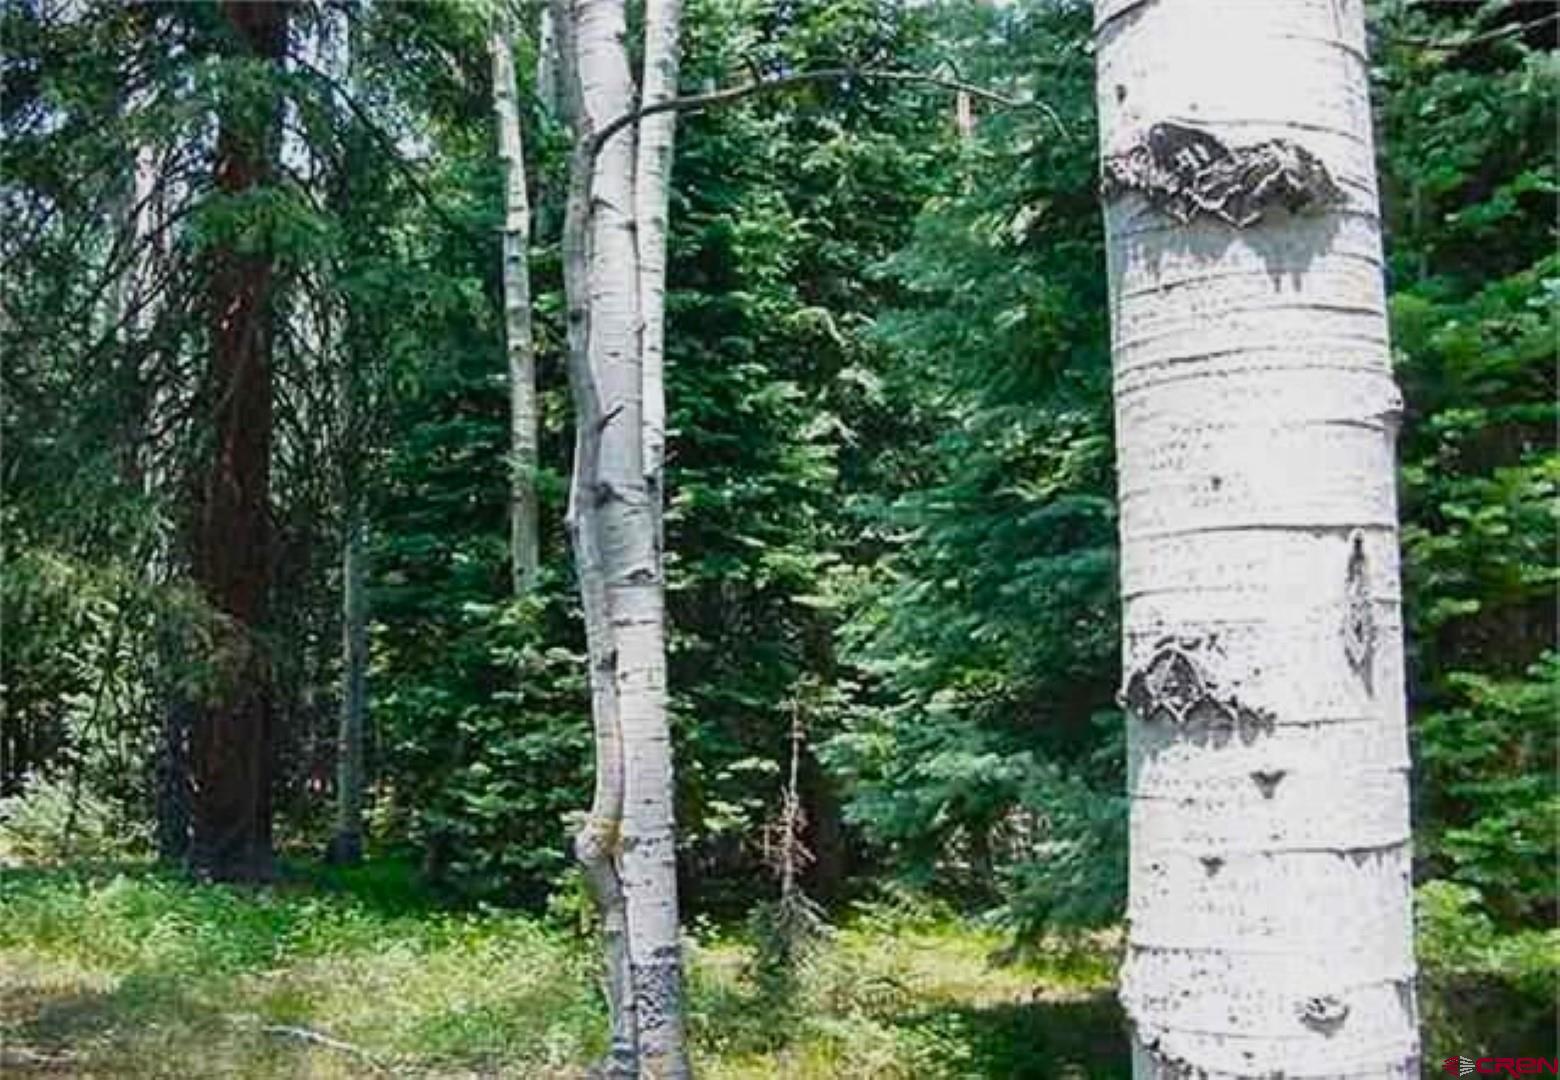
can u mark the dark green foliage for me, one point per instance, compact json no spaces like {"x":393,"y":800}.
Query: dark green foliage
{"x":987,"y":762}
{"x":890,"y":485}
{"x":1469,"y":170}
{"x":1468,"y":174}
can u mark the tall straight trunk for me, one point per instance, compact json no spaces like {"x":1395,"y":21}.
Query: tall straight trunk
{"x":547,"y":60}
{"x":346,"y":846}
{"x":326,"y":326}
{"x":617,"y":526}
{"x":231,"y":738}
{"x":1269,"y":912}
{"x":519,"y":340}
{"x":652,"y":190}
{"x":598,"y":842}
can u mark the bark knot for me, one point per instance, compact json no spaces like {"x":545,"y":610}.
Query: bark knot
{"x":1184,"y":171}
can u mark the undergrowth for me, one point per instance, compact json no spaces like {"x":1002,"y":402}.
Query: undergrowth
{"x":128,"y":972}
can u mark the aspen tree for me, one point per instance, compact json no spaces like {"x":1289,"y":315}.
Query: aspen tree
{"x":1269,"y":910}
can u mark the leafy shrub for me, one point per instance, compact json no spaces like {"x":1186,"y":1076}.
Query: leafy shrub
{"x":56,"y":820}
{"x":1482,"y":991}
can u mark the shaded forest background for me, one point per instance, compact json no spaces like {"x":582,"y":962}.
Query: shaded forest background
{"x":889,"y":507}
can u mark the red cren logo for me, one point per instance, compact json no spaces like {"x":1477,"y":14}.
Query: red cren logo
{"x":1524,"y":1066}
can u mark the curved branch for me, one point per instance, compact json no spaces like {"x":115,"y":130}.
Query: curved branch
{"x":698,"y":102}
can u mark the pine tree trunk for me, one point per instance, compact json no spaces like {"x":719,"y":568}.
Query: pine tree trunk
{"x":325,"y":326}
{"x":519,"y":340}
{"x":1270,"y":928}
{"x":231,"y":737}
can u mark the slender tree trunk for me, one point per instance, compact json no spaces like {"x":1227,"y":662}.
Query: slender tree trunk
{"x":547,"y":60}
{"x":598,"y":842}
{"x":519,"y":340}
{"x":652,"y":190}
{"x":616,"y":523}
{"x":328,"y":326}
{"x":1270,"y":929}
{"x":231,"y":739}
{"x":346,"y":845}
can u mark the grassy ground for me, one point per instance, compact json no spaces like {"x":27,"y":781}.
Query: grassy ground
{"x":132,"y":974}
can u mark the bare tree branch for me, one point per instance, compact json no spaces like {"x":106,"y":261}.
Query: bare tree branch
{"x":699,"y":102}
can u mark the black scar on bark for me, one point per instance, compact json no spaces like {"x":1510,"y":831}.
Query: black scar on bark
{"x":1359,"y":620}
{"x":1267,"y":781}
{"x":1184,"y":171}
{"x":1324,"y":1013}
{"x":657,"y":987}
{"x":1176,"y":686}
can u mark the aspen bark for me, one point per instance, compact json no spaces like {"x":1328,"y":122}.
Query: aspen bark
{"x":547,"y":60}
{"x":520,"y":345}
{"x":598,"y":842}
{"x":1269,"y":911}
{"x":652,"y":191}
{"x":616,"y":528}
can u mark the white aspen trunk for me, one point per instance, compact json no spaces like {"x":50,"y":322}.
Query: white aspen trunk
{"x":598,"y":842}
{"x":964,"y":116}
{"x":524,"y":547}
{"x":547,"y":60}
{"x":1270,"y":929}
{"x":652,"y":190}
{"x":616,"y":523}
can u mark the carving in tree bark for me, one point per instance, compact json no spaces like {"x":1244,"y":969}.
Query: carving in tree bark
{"x":231,"y":739}
{"x":1269,"y":908}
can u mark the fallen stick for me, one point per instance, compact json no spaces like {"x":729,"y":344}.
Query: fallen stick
{"x":306,"y":1035}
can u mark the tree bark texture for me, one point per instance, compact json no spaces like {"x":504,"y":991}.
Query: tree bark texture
{"x":652,"y":196}
{"x":231,"y":738}
{"x":1269,"y":911}
{"x":628,"y":844}
{"x":346,"y":845}
{"x":519,"y":340}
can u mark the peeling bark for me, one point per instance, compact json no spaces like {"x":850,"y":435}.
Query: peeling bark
{"x":1269,"y":907}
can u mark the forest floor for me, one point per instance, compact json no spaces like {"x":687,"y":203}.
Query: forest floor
{"x":128,"y":973}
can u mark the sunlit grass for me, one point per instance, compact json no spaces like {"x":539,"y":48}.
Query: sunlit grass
{"x":135,"y":974}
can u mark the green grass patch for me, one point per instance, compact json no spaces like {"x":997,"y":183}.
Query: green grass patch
{"x":132,"y":973}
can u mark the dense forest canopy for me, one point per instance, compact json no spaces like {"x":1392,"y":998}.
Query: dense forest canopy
{"x":890,"y":533}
